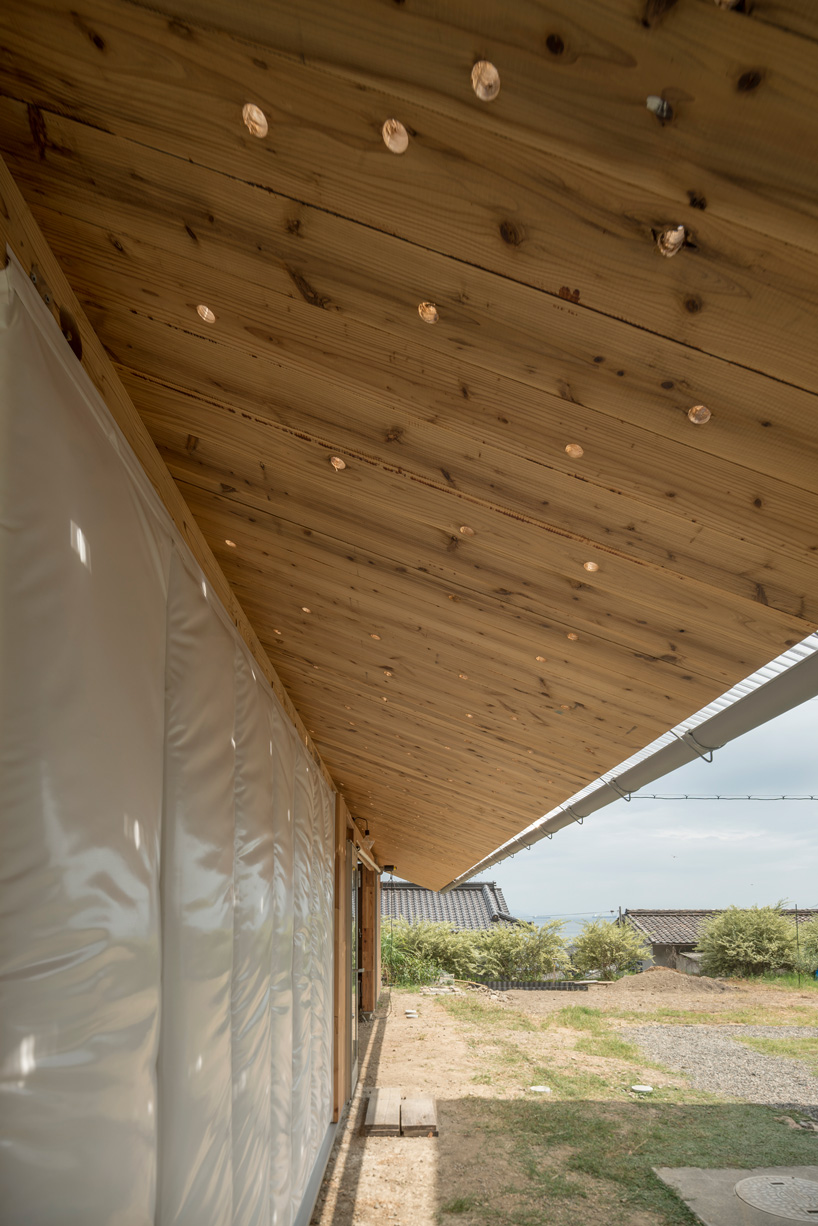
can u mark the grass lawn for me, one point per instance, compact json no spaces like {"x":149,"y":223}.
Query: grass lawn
{"x":584,"y":1155}
{"x":752,"y":1015}
{"x":603,"y":1155}
{"x":790,"y":982}
{"x":805,"y":1048}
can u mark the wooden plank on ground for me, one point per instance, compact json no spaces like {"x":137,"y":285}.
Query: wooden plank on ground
{"x":383,"y":1112}
{"x":418,"y":1116}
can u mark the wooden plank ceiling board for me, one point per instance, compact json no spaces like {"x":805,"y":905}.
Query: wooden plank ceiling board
{"x":472,"y":621}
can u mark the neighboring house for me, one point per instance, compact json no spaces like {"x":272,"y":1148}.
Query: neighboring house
{"x":476,"y":904}
{"x":674,"y":935}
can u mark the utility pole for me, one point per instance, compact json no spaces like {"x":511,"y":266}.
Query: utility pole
{"x":797,"y":946}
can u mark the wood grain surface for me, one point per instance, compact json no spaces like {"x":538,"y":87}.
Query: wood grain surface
{"x":493,"y":622}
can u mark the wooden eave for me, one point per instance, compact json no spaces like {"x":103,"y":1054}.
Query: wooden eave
{"x":459,"y":669}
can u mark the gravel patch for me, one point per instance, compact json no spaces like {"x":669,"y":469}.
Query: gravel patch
{"x":714,"y":1061}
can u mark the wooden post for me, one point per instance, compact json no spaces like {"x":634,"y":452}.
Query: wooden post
{"x":377,"y":975}
{"x":342,"y":986}
{"x":369,"y":939}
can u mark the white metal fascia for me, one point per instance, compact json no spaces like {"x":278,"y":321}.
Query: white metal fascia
{"x":779,"y":686}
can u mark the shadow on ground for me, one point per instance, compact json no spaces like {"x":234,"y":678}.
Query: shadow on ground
{"x":567,"y":1159}
{"x":525,"y":1163}
{"x":346,"y":1158}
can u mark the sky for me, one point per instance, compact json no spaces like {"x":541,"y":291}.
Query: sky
{"x":696,"y":854}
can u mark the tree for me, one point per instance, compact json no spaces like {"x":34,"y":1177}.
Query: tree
{"x":747,"y":942}
{"x":524,"y":952}
{"x":608,"y":948}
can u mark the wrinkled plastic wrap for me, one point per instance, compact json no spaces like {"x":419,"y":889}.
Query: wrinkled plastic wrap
{"x":252,"y":950}
{"x":284,"y":748}
{"x":195,"y":1053}
{"x":166,"y":859}
{"x":83,"y":580}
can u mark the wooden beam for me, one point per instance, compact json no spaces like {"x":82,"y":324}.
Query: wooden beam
{"x":365,"y":856}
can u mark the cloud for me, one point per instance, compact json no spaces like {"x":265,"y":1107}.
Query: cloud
{"x":720,"y":836}
{"x":692,"y":853}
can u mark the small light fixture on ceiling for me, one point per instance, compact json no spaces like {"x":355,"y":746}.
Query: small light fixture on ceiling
{"x":337,"y":463}
{"x":304,"y":609}
{"x":574,"y":451}
{"x":386,"y":673}
{"x":573,"y":637}
{"x":428,"y":312}
{"x":395,"y":136}
{"x":384,"y":700}
{"x":699,"y":414}
{"x":671,"y":240}
{"x":463,"y":676}
{"x":469,"y":717}
{"x":232,"y":544}
{"x":254,"y":119}
{"x":375,"y":636}
{"x":541,"y":659}
{"x":205,"y":313}
{"x":465,"y":530}
{"x":485,"y":81}
{"x":591,"y":566}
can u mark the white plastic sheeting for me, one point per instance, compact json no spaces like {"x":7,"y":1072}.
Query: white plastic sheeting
{"x":166,"y":863}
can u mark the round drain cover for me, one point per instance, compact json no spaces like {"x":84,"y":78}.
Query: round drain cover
{"x":781,"y":1195}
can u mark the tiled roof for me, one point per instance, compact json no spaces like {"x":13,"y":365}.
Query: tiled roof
{"x":681,"y":927}
{"x":477,"y":904}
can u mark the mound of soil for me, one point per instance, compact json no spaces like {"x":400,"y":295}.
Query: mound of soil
{"x":660,"y":981}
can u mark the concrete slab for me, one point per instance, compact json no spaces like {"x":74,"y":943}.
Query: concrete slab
{"x":711,"y":1196}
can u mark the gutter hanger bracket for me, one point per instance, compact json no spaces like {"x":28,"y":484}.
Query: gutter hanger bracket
{"x":626,"y":796}
{"x":704,"y":753}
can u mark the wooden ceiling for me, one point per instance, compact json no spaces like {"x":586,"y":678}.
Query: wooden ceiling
{"x":428,"y":606}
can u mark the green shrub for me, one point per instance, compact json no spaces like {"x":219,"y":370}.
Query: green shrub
{"x":747,"y":942}
{"x":414,"y":954}
{"x":417,"y":953}
{"x":808,"y":940}
{"x":608,"y":948}
{"x":524,"y":953}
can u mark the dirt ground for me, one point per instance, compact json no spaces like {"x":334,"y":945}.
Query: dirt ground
{"x":478,"y":1055}
{"x":660,"y":989}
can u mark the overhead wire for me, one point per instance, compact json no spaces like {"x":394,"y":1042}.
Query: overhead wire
{"x":652,"y":796}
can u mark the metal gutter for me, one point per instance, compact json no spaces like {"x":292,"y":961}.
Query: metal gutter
{"x":781,"y":685}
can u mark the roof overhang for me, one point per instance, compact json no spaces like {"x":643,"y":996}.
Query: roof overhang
{"x":474,"y":620}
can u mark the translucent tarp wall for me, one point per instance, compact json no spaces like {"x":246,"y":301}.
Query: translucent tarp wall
{"x":166,"y":863}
